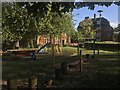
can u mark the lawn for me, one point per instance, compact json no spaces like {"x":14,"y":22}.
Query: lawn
{"x":95,"y":73}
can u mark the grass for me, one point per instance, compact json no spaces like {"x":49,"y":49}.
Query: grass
{"x":26,"y":68}
{"x":95,"y":73}
{"x":22,"y":49}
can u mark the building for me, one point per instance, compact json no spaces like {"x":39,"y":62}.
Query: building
{"x":63,"y":40}
{"x":105,"y":32}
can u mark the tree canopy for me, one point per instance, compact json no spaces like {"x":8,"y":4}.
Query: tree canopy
{"x":85,"y":28}
{"x":116,"y":35}
{"x":17,"y":24}
{"x":24,"y":20}
{"x":20,"y":24}
{"x":41,"y":7}
{"x":91,"y":5}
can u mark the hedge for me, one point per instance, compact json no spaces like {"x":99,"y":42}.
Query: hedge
{"x":103,"y":46}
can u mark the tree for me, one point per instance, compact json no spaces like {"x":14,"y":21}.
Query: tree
{"x":54,"y":24}
{"x":91,"y":5}
{"x":85,"y":28}
{"x":17,"y":24}
{"x":13,"y":24}
{"x":41,"y":7}
{"x":116,"y":34}
{"x":21,"y":23}
{"x":74,"y":36}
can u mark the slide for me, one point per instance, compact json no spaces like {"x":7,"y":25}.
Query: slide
{"x":43,"y":47}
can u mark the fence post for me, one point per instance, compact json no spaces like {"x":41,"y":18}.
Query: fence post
{"x":12,"y":84}
{"x":33,"y":83}
{"x":80,"y":60}
{"x":78,"y":48}
{"x":58,"y":73}
{"x":64,"y":67}
{"x":98,"y":54}
{"x":87,"y":56}
{"x":94,"y":48}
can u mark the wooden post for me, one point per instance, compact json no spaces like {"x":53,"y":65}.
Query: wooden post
{"x":78,"y":49}
{"x":57,"y":73}
{"x":94,"y":48}
{"x":87,"y":56}
{"x":33,"y":83}
{"x":12,"y":84}
{"x":64,"y":68}
{"x":98,"y":54}
{"x":80,"y":60}
{"x":49,"y":83}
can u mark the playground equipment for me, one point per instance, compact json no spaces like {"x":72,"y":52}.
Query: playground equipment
{"x":43,"y":47}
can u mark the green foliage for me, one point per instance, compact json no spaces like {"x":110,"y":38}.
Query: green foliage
{"x":17,"y":24}
{"x":52,"y":17}
{"x":55,"y":23}
{"x":12,"y":22}
{"x":91,"y":5}
{"x":85,"y":29}
{"x":74,"y":36}
{"x":41,"y":7}
{"x":116,"y":34}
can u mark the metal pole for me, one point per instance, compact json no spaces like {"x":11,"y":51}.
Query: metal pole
{"x":100,"y":27}
{"x":100,"y":22}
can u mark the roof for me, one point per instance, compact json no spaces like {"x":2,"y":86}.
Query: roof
{"x":104,"y":21}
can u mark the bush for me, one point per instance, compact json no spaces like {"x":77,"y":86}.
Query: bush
{"x":116,"y":36}
{"x":8,"y":45}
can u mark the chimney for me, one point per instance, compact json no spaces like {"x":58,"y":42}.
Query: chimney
{"x":86,"y":17}
{"x":94,"y":16}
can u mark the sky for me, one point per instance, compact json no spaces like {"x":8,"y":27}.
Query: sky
{"x":110,"y":13}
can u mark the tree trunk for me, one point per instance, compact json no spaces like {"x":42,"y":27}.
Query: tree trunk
{"x":31,"y":43}
{"x":17,"y":44}
{"x":53,"y":50}
{"x":48,"y":48}
{"x":59,"y":45}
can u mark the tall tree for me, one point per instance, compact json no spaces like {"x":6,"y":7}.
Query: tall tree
{"x":17,"y":24}
{"x":85,"y":28}
{"x":116,"y":34}
{"x":13,"y":23}
{"x":54,"y":24}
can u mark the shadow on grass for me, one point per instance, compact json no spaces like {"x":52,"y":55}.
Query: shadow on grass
{"x":95,"y":74}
